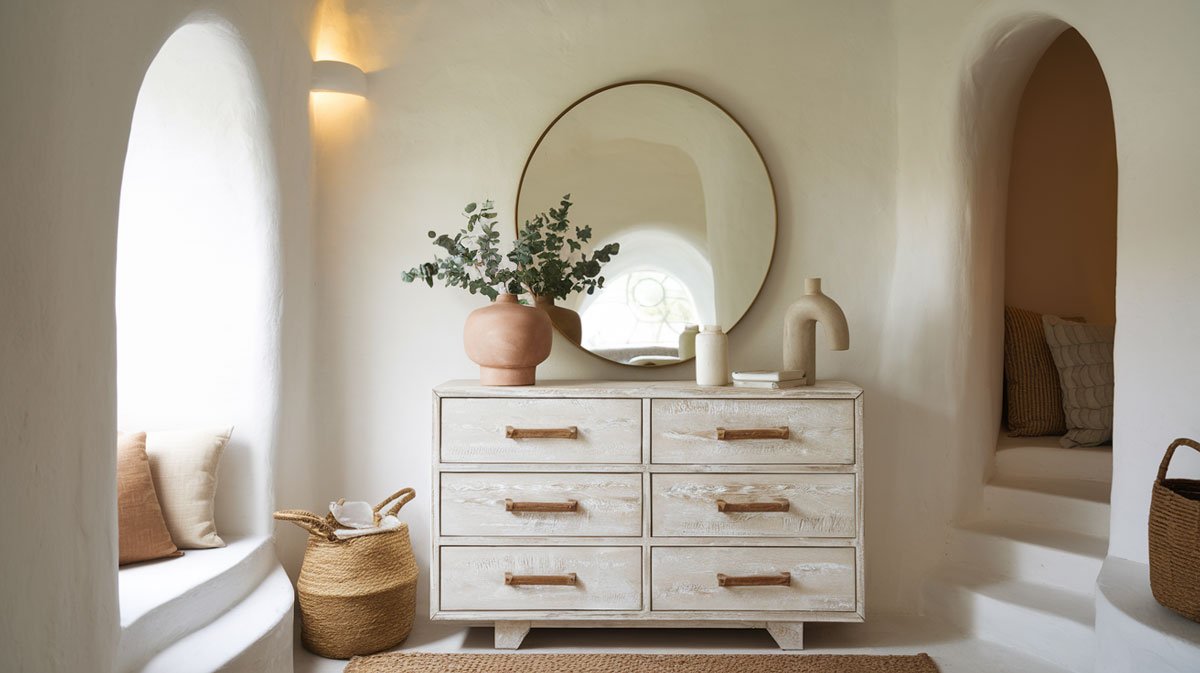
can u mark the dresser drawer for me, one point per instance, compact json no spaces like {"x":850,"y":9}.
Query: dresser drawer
{"x":539,"y":504}
{"x":753,"y":578}
{"x":477,"y":430}
{"x":752,"y":431}
{"x":541,"y":578}
{"x":757,"y":505}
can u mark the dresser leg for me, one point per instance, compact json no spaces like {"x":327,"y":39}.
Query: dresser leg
{"x":510,"y":634}
{"x":789,"y":635}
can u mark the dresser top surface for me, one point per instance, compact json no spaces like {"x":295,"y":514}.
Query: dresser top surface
{"x":640,"y":389}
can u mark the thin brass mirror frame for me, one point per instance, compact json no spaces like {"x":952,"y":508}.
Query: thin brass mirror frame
{"x":766,"y":169}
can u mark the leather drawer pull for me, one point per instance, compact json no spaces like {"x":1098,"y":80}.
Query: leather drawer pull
{"x":776,"y":506}
{"x":726,"y":434}
{"x":567,"y":580}
{"x":569,"y":432}
{"x":568,"y":506}
{"x":774,"y":580}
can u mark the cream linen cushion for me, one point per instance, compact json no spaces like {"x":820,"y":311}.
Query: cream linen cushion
{"x":1084,"y":356}
{"x":184,"y":464}
{"x":141,"y":533}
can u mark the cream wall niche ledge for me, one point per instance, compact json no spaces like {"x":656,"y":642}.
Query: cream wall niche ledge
{"x":621,"y":503}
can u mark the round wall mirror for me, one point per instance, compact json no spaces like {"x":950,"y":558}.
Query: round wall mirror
{"x":677,"y":182}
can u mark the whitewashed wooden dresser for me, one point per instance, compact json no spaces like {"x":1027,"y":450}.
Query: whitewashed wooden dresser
{"x":591,"y":504}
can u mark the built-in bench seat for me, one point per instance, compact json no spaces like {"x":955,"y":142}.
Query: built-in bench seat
{"x":1044,"y":457}
{"x":211,"y":609}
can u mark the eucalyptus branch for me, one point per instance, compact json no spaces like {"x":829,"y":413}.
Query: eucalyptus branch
{"x":546,"y":259}
{"x":542,"y":266}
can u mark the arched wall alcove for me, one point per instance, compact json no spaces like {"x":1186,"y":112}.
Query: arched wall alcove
{"x":989,"y":97}
{"x":197,"y":274}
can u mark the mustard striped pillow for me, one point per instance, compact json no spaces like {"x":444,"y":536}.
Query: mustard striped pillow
{"x":1032,"y":391}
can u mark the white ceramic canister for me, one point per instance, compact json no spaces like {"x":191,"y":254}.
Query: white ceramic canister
{"x":712,"y":357}
{"x":687,"y":342}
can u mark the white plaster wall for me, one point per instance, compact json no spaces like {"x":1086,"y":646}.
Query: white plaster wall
{"x":460,"y":91}
{"x":959,"y":58}
{"x":71,"y":72}
{"x":962,"y":68}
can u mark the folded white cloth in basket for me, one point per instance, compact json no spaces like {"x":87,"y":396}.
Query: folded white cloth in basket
{"x":385,"y":524}
{"x":355,"y":514}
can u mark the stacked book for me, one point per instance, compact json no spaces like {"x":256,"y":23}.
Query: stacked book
{"x":770,"y":379}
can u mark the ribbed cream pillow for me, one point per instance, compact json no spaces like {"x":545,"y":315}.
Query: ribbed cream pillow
{"x":1084,"y":356}
{"x":184,"y":465}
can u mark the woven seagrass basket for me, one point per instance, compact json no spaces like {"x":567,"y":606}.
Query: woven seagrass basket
{"x":358,"y":595}
{"x":1175,"y":539}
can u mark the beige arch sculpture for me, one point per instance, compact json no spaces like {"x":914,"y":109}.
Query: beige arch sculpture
{"x":800,"y":329}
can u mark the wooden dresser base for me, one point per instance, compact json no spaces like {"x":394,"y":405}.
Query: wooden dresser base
{"x":788,"y":635}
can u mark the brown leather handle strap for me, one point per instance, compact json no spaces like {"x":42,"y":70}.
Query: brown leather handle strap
{"x":1166,"y":461}
{"x":565,"y":580}
{"x":402,"y":497}
{"x":772,"y":580}
{"x":780,"y":505}
{"x":566,"y":506}
{"x":308,"y":521}
{"x":569,"y":432}
{"x":726,"y":434}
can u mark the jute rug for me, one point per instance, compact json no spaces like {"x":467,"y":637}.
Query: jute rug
{"x":417,"y":662}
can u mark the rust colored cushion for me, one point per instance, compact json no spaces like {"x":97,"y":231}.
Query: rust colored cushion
{"x":1034,"y":396}
{"x":141,"y":531}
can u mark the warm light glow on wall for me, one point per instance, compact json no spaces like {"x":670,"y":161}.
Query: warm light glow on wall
{"x":337,"y":118}
{"x":335,"y":104}
{"x":334,"y":37}
{"x":339,"y":85}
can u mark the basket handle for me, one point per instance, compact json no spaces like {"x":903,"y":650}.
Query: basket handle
{"x":308,"y":521}
{"x":1166,"y":461}
{"x":403,"y":496}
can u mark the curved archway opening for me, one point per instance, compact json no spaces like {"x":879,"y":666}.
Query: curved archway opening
{"x":1027,"y":206}
{"x":197,"y":269}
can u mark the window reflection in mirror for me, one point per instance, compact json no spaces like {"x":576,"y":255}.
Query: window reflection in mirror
{"x":637,"y":317}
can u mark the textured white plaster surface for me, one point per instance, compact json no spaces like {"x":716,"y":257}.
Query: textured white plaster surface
{"x":962,"y":66}
{"x":71,"y":72}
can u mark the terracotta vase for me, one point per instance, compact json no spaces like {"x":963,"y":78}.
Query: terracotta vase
{"x":566,"y":320}
{"x":508,"y":341}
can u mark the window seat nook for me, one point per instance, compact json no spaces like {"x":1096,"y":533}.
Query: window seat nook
{"x":225,"y":609}
{"x":1043,"y":457}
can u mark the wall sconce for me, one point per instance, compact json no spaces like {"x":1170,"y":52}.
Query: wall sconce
{"x":338,"y":77}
